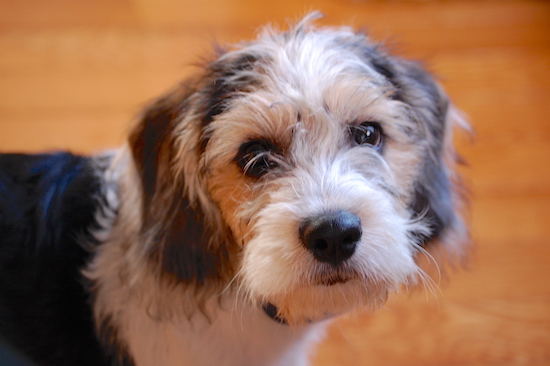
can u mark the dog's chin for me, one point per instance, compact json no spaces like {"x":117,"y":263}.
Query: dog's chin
{"x":326,"y":299}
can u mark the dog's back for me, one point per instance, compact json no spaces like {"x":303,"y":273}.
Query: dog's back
{"x":47,"y":205}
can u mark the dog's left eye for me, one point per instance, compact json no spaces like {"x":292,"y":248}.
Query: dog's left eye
{"x":368,"y":133}
{"x":256,"y":157}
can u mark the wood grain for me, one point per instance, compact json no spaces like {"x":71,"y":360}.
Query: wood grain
{"x":74,"y":73}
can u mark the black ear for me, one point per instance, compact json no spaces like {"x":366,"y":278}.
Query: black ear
{"x":433,"y":199}
{"x":179,"y":236}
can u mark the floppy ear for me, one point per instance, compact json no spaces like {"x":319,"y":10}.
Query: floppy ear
{"x":190,"y":239}
{"x":179,"y":235}
{"x":435,"y":195}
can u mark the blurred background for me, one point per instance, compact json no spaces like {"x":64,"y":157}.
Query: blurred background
{"x":73,"y":74}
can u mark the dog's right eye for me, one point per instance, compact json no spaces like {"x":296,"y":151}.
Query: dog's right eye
{"x":368,"y":134}
{"x":256,"y":157}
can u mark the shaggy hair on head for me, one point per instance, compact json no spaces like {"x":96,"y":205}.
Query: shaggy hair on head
{"x":293,"y":179}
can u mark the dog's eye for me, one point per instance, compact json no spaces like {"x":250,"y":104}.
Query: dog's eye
{"x":368,"y":133}
{"x":256,"y":157}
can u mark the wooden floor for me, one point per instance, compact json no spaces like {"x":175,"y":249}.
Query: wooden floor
{"x":74,"y":73}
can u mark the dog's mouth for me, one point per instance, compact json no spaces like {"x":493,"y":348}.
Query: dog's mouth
{"x":332,"y":280}
{"x":327,"y":280}
{"x":330,"y":276}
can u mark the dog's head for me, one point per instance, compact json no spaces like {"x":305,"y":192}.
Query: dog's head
{"x":307,"y":168}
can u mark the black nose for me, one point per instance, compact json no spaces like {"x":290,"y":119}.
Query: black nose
{"x":331,"y":237}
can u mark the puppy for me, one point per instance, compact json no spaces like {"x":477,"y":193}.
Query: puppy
{"x":295,"y":178}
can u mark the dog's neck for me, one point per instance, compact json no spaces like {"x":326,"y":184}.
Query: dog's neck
{"x":234,"y":334}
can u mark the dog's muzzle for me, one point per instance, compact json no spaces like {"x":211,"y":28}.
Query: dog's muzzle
{"x":332,"y":237}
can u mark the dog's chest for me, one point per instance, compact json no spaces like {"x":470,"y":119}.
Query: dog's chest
{"x":233,"y":338}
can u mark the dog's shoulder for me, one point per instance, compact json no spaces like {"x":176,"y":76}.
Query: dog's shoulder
{"x":47,"y":208}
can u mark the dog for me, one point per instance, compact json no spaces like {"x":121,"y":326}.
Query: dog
{"x":293,"y":179}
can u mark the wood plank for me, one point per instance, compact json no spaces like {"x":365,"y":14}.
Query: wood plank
{"x":74,"y":74}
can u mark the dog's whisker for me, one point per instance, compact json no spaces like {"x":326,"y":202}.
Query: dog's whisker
{"x":230,"y":283}
{"x":429,"y":283}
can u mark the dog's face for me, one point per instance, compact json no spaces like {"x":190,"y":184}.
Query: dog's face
{"x":308,"y":169}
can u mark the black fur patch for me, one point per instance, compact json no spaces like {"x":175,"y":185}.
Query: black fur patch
{"x":150,"y":143}
{"x":187,"y":252}
{"x":385,"y":68}
{"x":434,"y":204}
{"x":228,"y":80}
{"x":47,"y":206}
{"x":375,"y":56}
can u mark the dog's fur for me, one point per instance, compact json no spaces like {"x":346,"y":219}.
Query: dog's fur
{"x":295,"y":178}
